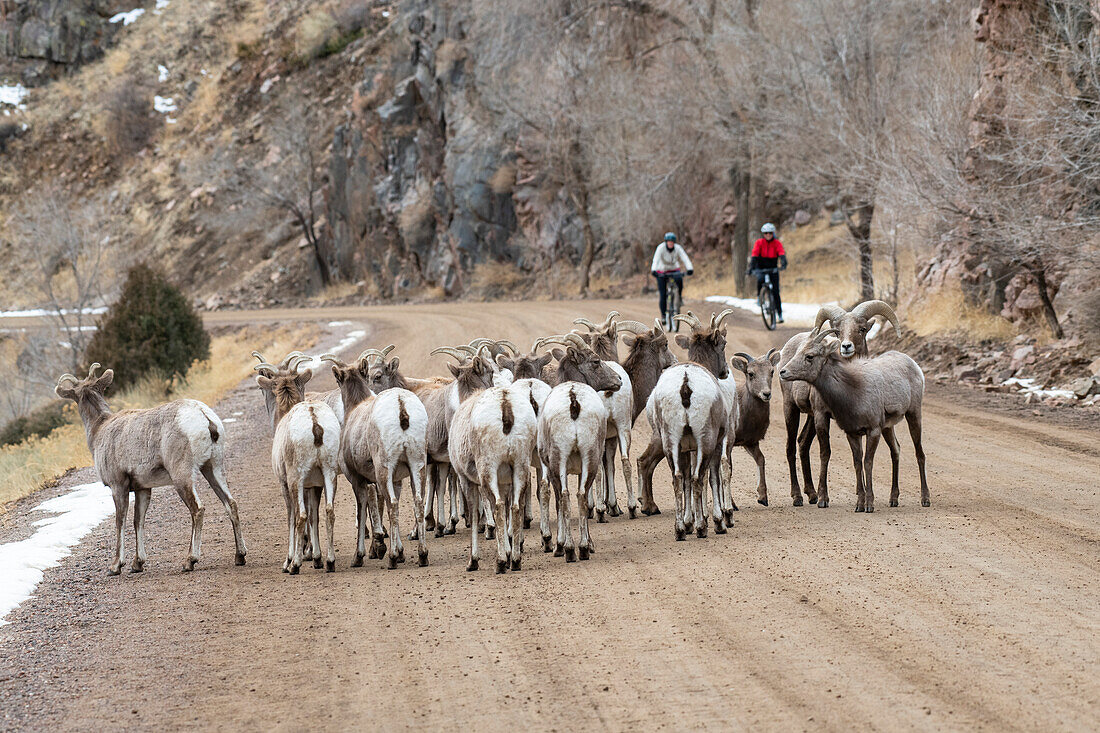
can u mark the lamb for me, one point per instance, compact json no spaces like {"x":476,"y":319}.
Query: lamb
{"x":384,"y":441}
{"x":491,"y":438}
{"x":135,"y":450}
{"x":750,"y":416}
{"x":865,"y":397}
{"x":304,"y":457}
{"x":688,"y":414}
{"x":853,"y":327}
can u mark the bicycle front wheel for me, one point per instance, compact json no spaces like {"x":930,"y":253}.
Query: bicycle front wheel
{"x":767,"y":308}
{"x":673,"y":307}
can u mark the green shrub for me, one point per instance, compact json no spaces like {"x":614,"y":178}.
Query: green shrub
{"x":151,"y":330}
{"x":40,"y":422}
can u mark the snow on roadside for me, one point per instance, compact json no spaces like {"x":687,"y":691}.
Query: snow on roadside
{"x":41,"y":312}
{"x":22,"y":563}
{"x":349,"y":339}
{"x":128,"y":17}
{"x":795,"y":314}
{"x":1030,"y":386}
{"x":13,"y":94}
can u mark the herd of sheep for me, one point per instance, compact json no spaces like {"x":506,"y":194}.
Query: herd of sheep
{"x":475,"y":437}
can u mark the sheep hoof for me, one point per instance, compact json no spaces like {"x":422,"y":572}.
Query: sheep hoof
{"x":870,"y":508}
{"x":471,"y":566}
{"x":600,"y":518}
{"x":413,"y":536}
{"x":559,"y":550}
{"x":633,"y":512}
{"x":490,"y":533}
{"x":701,"y":532}
{"x":385,"y":532}
{"x":439,"y":530}
{"x":401,"y":555}
{"x":318,"y":563}
{"x":527,"y":523}
{"x":590,"y":513}
{"x":822,"y":503}
{"x":763,"y":501}
{"x":679,"y":535}
{"x":859,"y":509}
{"x":358,"y":561}
{"x":734,"y":508}
{"x":727,"y":516}
{"x":189,"y":565}
{"x":450,"y":530}
{"x":391,"y":562}
{"x":330,"y":566}
{"x":689,"y":527}
{"x":546,"y":544}
{"x":812,"y":498}
{"x":614,"y":510}
{"x":570,"y":554}
{"x":502,"y":565}
{"x":798,"y":501}
{"x":582,"y":552}
{"x":422,"y":558}
{"x":294,"y":569}
{"x":893,"y":502}
{"x":719,"y":528}
{"x":925,"y":502}
{"x":137,"y":567}
{"x":238,"y":559}
{"x":480,"y":527}
{"x":429,"y":522}
{"x":516,"y":564}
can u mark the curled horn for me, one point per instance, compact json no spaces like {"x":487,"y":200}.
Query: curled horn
{"x":332,"y":358}
{"x":658,"y":327}
{"x":828,"y":332}
{"x":264,"y":368}
{"x":573,"y":339}
{"x":509,"y":345}
{"x":91,"y":370}
{"x":716,"y":320}
{"x":66,"y":377}
{"x":468,"y":350}
{"x":550,"y":340}
{"x":631,"y":327}
{"x":479,"y":342}
{"x":259,"y":357}
{"x":587,"y":323}
{"x":768,"y":356}
{"x":295,"y":361}
{"x":830,"y":313}
{"x":748,"y":359}
{"x":610,"y":317}
{"x":689,"y":319}
{"x":285,"y":363}
{"x":450,"y":351}
{"x":871,"y":308}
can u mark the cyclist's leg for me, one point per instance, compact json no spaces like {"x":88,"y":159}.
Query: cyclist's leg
{"x":775,"y":296}
{"x":661,"y":292}
{"x":679,"y":278}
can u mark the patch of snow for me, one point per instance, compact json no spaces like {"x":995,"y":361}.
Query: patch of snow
{"x":229,"y":419}
{"x":162,"y":72}
{"x":22,"y":563}
{"x":127,"y":17}
{"x":164,"y":105}
{"x":161,"y":5}
{"x":797,"y":314}
{"x":385,"y":13}
{"x":204,"y":72}
{"x":39,"y":312}
{"x":350,"y":338}
{"x":338,"y":324}
{"x":268,"y":83}
{"x":1027,"y":385}
{"x":13,"y":94}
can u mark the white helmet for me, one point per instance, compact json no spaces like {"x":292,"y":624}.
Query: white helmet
{"x":768,"y":228}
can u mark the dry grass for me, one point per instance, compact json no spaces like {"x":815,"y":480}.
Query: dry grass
{"x":495,"y":280}
{"x":947,"y":311}
{"x":28,"y":466}
{"x":336,"y":291}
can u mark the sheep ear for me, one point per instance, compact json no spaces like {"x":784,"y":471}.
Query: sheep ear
{"x":504,"y":362}
{"x":683,"y":341}
{"x":629,"y":341}
{"x":453,"y":369}
{"x":105,"y":380}
{"x":265,"y":382}
{"x":774,"y":356}
{"x":543,"y":360}
{"x":304,"y":377}
{"x":739,"y":363}
{"x":392,"y":364}
{"x":558,"y":354}
{"x":65,"y":393}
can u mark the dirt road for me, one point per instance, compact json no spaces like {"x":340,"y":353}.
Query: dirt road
{"x":982,"y":611}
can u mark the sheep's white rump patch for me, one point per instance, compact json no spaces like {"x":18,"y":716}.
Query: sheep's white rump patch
{"x":22,"y":563}
{"x":795,"y":314}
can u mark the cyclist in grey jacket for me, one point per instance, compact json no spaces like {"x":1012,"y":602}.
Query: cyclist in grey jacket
{"x":670,"y":261}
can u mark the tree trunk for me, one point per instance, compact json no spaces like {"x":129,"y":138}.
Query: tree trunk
{"x":1039,"y":273}
{"x":860,"y":229}
{"x":589,"y":253}
{"x":739,"y":247}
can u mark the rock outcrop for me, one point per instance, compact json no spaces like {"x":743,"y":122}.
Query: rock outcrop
{"x":38,"y":36}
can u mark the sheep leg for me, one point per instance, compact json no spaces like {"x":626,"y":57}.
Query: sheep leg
{"x":191,"y":500}
{"x":393,"y":493}
{"x":856,"y":443}
{"x":602,"y":494}
{"x":330,"y":519}
{"x":455,"y":498}
{"x":544,"y":506}
{"x":463,"y":488}
{"x":428,"y":499}
{"x":361,"y":519}
{"x":215,"y":476}
{"x":689,"y":491}
{"x":791,"y":416}
{"x":821,"y":425}
{"x":313,"y":506}
{"x":416,"y":477}
{"x":762,"y":482}
{"x":628,"y":479}
{"x":913,"y":417}
{"x":805,"y":442}
{"x":700,"y":499}
{"x":717,"y":512}
{"x":565,"y":531}
{"x":588,"y":479}
{"x":521,"y":500}
{"x":868,"y":464}
{"x":487,"y":518}
{"x":122,"y":504}
{"x":726,"y":485}
{"x":499,"y":512}
{"x":464,"y":503}
{"x":300,"y":521}
{"x":895,"y":456}
{"x":374,"y":506}
{"x":141,"y":505}
{"x":647,"y":462}
{"x":678,"y":488}
{"x":289,"y":527}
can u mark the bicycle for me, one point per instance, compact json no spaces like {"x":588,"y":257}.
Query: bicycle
{"x":764,"y":297}
{"x":672,"y":305}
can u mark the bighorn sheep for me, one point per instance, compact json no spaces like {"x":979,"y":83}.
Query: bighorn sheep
{"x":304,"y":457}
{"x":491,"y":438}
{"x":853,"y":327}
{"x":866,"y":396}
{"x":330,"y":398}
{"x":750,"y":416}
{"x":384,"y":441}
{"x":136,"y":450}
{"x":688,"y":415}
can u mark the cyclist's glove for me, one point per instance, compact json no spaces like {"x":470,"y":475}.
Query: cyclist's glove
{"x":782,"y":262}
{"x":653,"y":273}
{"x":691,"y":272}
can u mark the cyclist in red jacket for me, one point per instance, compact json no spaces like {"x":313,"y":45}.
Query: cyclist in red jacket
{"x":768,"y":254}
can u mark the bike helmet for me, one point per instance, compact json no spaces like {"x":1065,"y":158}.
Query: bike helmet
{"x":768,"y":228}
{"x":670,"y":237}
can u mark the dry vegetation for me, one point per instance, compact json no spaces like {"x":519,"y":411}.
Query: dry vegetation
{"x":26,"y":467}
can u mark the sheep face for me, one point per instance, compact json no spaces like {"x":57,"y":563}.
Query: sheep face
{"x":471,"y":376}
{"x":385,"y":376}
{"x":287,"y":387}
{"x":604,"y":343}
{"x":854,"y":325}
{"x":651,"y":346}
{"x":525,"y":366}
{"x":577,"y":365}
{"x":758,"y":372}
{"x":853,"y":335}
{"x":708,"y":348}
{"x":809,"y":360}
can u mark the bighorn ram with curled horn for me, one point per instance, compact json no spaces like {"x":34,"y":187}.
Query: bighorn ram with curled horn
{"x":304,"y":458}
{"x":866,"y":397}
{"x":330,"y":398}
{"x":852,"y":328}
{"x":136,"y":450}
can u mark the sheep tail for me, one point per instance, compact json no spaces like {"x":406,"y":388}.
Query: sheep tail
{"x":574,"y":405}
{"x":213,"y":430}
{"x":318,"y":431}
{"x":507,"y":419}
{"x":685,"y":392}
{"x":402,"y":415}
